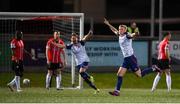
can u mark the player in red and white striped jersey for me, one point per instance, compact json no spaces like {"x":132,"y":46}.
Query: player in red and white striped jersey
{"x":54,"y":61}
{"x":163,"y":61}
{"x":17,"y":49}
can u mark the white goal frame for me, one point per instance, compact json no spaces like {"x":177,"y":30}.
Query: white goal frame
{"x":26,"y":15}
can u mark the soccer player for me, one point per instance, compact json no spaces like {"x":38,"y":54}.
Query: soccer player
{"x":163,"y":62}
{"x":130,"y":61}
{"x":17,"y":49}
{"x":82,"y":60}
{"x":133,"y":28}
{"x":54,"y":62}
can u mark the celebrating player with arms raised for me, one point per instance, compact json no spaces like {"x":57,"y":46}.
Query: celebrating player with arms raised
{"x":130,"y":61}
{"x":82,"y":60}
{"x":78,"y":48}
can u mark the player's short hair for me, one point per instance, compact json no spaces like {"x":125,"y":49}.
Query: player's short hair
{"x":57,"y":31}
{"x":123,"y":26}
{"x":166,"y":34}
{"x":75,"y":34}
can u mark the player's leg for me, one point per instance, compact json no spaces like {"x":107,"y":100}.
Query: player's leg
{"x":49,"y":75}
{"x":149,"y":70}
{"x":156,"y":81}
{"x":18,"y":69}
{"x":121,"y":72}
{"x":20,"y":75}
{"x":82,"y":71}
{"x":168,"y":79}
{"x":13,"y":82}
{"x":58,"y":76}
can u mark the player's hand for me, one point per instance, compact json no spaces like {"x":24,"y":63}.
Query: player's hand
{"x":64,"y":64}
{"x":90,"y":32}
{"x":106,"y":21}
{"x":17,"y":61}
{"x":48,"y":62}
{"x":34,"y":58}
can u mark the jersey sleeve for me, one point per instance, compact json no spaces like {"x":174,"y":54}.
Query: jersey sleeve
{"x":128,"y":36}
{"x":82,"y":42}
{"x":68,"y":46}
{"x":48,"y":44}
{"x":13,"y":44}
{"x":167,"y":46}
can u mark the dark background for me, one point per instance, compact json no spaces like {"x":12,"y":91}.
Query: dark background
{"x":115,"y":9}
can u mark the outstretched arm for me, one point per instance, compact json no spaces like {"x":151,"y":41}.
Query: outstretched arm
{"x":113,"y":29}
{"x":59,"y":45}
{"x":86,"y":37}
{"x":134,"y":35}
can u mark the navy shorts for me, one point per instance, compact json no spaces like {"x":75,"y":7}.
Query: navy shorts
{"x":83,"y":65}
{"x":131,"y":63}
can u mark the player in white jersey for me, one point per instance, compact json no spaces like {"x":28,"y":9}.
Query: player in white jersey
{"x":81,"y":58}
{"x":130,"y":61}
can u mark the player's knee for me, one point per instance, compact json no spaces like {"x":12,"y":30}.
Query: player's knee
{"x":160,"y":73}
{"x":50,"y":73}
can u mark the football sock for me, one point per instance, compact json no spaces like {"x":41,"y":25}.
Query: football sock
{"x":85,"y":77}
{"x":13,"y":81}
{"x":168,"y":82}
{"x":88,"y":76}
{"x":58,"y":81}
{"x":17,"y":81}
{"x":146,"y":71}
{"x":119,"y":83}
{"x":48,"y":78}
{"x":156,"y":80}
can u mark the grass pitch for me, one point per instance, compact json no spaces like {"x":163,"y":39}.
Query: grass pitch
{"x":42,"y":95}
{"x":134,"y":90}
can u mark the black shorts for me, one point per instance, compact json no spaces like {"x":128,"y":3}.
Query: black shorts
{"x":54,"y":66}
{"x":163,"y":64}
{"x":18,"y":68}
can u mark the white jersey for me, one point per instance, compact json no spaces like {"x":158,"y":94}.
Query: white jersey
{"x":79,"y":52}
{"x":125,"y":43}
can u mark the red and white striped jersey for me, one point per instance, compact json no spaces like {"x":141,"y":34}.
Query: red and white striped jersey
{"x":163,"y":46}
{"x":17,"y":47}
{"x":54,"y":52}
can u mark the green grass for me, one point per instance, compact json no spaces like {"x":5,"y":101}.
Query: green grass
{"x":133,"y":90}
{"x":102,"y":80}
{"x":40,"y":95}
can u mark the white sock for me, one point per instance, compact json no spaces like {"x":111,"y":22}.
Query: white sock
{"x":58,"y":81}
{"x":48,"y":78}
{"x":17,"y":81}
{"x":13,"y":82}
{"x":168,"y":82}
{"x":156,"y":80}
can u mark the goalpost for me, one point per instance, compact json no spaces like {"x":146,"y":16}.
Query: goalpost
{"x":37,"y":29}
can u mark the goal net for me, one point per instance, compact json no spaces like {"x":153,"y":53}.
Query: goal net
{"x":37,"y":29}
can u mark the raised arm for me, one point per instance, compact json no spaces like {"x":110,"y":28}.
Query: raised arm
{"x":113,"y":29}
{"x":86,"y":37}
